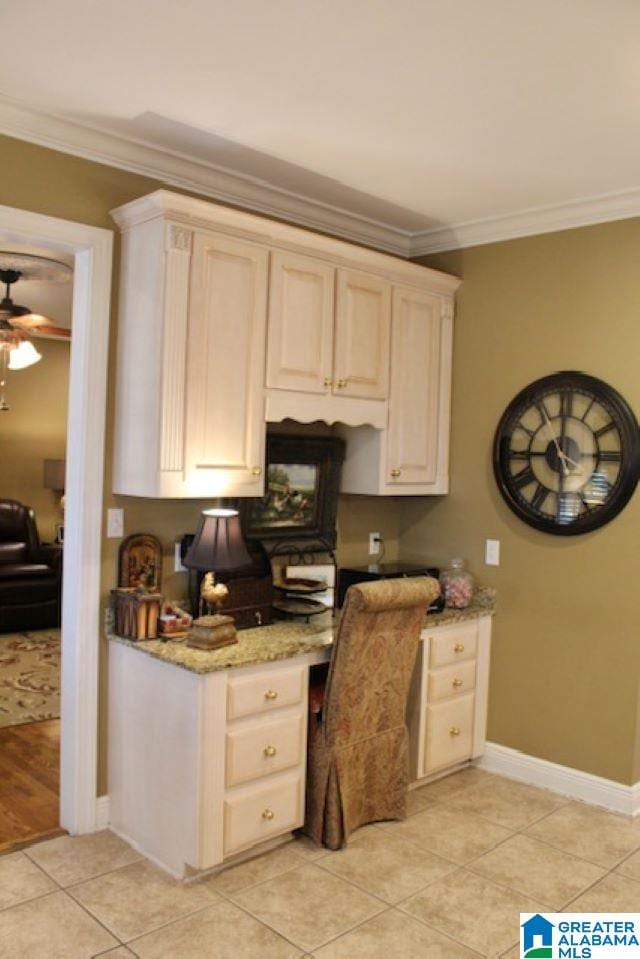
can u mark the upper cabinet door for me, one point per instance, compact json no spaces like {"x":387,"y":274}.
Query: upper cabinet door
{"x":418,"y":435}
{"x":363,"y":323}
{"x":225,"y":363}
{"x":300,"y":340}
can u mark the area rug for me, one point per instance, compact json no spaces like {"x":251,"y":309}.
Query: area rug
{"x":29,"y":677}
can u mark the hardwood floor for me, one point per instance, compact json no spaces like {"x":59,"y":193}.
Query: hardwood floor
{"x":29,"y":782}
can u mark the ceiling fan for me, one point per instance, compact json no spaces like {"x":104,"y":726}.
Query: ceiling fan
{"x":17,"y":352}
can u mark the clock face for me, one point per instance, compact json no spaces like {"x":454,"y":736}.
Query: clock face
{"x":567,"y":453}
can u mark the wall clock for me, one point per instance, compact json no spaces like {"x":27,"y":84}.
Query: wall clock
{"x":566,"y":453}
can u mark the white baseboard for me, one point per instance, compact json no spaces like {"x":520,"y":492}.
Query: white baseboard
{"x":561,"y":779}
{"x":102,"y":812}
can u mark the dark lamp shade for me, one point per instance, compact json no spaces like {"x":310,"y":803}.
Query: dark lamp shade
{"x":54,"y":474}
{"x":218,"y":545}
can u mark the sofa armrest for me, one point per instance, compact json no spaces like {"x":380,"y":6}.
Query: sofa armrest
{"x":50,"y":554}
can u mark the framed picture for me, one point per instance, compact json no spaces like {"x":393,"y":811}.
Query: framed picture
{"x":301,"y":494}
{"x":140,"y":561}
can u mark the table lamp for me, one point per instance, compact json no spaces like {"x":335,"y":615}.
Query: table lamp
{"x":218,"y":547}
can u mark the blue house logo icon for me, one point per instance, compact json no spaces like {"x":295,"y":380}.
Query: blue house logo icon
{"x":537,"y":938}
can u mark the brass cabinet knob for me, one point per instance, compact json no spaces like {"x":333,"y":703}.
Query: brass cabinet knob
{"x":268,"y":814}
{"x":328,"y":381}
{"x":457,"y":682}
{"x":458,"y":648}
{"x":342,"y":384}
{"x":269,"y":751}
{"x":271,"y":694}
{"x":454,"y":731}
{"x":257,"y":471}
{"x":395,"y":473}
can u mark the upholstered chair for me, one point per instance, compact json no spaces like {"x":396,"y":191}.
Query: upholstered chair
{"x":30,"y":573}
{"x":357,"y":764}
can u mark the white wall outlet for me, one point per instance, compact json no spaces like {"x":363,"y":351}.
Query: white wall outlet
{"x":177,"y":559}
{"x":374,"y":544}
{"x":115,"y":523}
{"x":492,"y":552}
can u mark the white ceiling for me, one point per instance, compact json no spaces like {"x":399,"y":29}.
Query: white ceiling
{"x":417,"y":113}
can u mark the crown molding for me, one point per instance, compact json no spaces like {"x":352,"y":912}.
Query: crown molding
{"x":174,"y":169}
{"x":56,"y":132}
{"x":544,"y":219}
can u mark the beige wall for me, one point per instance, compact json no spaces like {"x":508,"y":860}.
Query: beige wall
{"x":566,"y":659}
{"x":49,"y":182}
{"x":35,"y":429}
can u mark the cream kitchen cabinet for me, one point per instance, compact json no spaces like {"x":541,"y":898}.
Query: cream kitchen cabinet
{"x":329,"y":329}
{"x":191,"y":350}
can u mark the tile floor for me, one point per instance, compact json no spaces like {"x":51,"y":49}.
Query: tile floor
{"x":450,"y":881}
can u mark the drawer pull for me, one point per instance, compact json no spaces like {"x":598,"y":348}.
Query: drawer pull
{"x":458,"y":648}
{"x":328,"y":381}
{"x":268,"y":814}
{"x":457,"y":682}
{"x":454,"y":731}
{"x":342,"y":384}
{"x":271,"y":694}
{"x":395,"y":473}
{"x":256,"y":471}
{"x":270,"y":751}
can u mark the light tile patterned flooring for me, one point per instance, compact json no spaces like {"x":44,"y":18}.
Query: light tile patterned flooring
{"x":450,"y":881}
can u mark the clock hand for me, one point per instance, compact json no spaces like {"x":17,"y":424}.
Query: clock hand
{"x":549,"y":428}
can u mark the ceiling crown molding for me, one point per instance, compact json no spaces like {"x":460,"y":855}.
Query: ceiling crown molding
{"x":251,"y":193}
{"x":174,"y":169}
{"x":543,"y":219}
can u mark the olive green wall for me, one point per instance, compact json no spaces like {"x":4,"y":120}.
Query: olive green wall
{"x":35,"y":178}
{"x":35,"y":429}
{"x":566,"y":657}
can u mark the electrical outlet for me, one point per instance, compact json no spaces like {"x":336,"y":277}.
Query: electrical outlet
{"x":115,"y":523}
{"x":492,"y":552}
{"x":177,"y":559}
{"x":374,"y":544}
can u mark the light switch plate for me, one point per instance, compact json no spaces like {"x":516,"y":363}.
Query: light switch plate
{"x":374,"y":544}
{"x":177,"y":559}
{"x":492,"y":552}
{"x":115,"y":523}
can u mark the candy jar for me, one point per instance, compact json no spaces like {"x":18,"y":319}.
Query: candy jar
{"x":457,"y":585}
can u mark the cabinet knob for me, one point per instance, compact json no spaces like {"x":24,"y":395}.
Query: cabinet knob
{"x":458,"y":648}
{"x":395,"y":473}
{"x":328,"y":381}
{"x":271,"y":694}
{"x":342,"y":384}
{"x":258,"y":617}
{"x":454,"y":731}
{"x":456,"y":683}
{"x":269,"y":751}
{"x":268,"y":814}
{"x":256,"y":471}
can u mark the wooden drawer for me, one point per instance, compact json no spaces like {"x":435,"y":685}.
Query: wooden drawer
{"x":457,"y":643}
{"x":265,"y":691}
{"x":451,"y":680}
{"x":256,"y":813}
{"x":264,"y":747}
{"x":448,"y":733}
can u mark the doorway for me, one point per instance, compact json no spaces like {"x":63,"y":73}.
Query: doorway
{"x":89,"y":250}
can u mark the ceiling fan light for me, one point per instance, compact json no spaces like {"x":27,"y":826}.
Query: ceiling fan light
{"x":23,"y":356}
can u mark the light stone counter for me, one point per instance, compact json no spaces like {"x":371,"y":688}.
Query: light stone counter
{"x":283,"y":640}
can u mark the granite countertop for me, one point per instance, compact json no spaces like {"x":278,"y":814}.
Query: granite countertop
{"x":283,"y":640}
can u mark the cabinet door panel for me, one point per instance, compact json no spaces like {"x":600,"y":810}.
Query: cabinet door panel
{"x":363,"y":324}
{"x":226,"y":350}
{"x":417,"y":388}
{"x":299,"y":352}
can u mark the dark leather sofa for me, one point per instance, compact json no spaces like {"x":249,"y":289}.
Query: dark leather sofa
{"x":30,"y":573}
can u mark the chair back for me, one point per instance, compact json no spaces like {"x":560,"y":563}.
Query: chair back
{"x":18,"y":532}
{"x":373,"y":658}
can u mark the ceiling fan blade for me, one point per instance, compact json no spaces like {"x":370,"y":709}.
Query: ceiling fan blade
{"x":51,"y":332}
{"x":30,"y":321}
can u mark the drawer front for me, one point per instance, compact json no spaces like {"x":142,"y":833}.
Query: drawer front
{"x":453,"y":645}
{"x":264,"y":692}
{"x":449,"y":733}
{"x":452,"y":680}
{"x":264,"y":747}
{"x":258,"y":813}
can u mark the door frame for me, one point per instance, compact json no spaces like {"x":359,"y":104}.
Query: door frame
{"x":92,"y":248}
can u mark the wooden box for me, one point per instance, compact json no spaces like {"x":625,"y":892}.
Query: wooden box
{"x":136,"y":613}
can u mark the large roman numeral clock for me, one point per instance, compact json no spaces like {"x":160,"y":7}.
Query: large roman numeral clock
{"x":566,"y":454}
